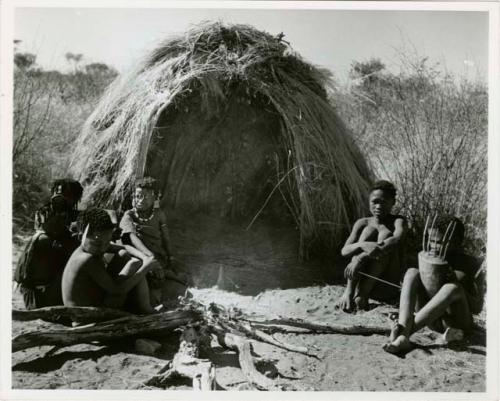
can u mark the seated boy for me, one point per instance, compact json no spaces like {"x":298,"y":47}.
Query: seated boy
{"x":376,"y":247}
{"x":86,"y":282}
{"x":41,"y":265}
{"x":449,"y":310}
{"x":145,"y":235}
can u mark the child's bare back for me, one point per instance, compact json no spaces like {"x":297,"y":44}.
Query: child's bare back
{"x":79,"y":287}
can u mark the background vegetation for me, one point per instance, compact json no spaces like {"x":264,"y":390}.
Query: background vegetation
{"x":422,"y":128}
{"x":49,"y":110}
{"x":425,"y":130}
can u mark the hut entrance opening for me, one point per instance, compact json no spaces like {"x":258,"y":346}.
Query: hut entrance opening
{"x":217,"y":169}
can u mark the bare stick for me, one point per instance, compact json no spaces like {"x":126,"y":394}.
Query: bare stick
{"x":445,"y":240}
{"x":425,"y":233}
{"x":320,"y":327}
{"x":430,"y":229}
{"x":379,"y":279}
{"x":448,"y":244}
{"x":248,"y":331}
{"x":269,"y":197}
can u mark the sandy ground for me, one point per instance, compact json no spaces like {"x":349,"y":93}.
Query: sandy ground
{"x":347,"y":362}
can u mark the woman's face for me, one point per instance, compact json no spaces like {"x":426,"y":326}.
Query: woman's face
{"x":143,"y":199}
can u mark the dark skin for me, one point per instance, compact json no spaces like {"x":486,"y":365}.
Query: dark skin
{"x":86,"y":272}
{"x":372,"y":245}
{"x":449,"y":307}
{"x":143,"y":200}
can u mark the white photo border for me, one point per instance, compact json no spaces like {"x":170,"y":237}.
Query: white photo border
{"x":493,"y":254}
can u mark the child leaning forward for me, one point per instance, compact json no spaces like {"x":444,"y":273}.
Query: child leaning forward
{"x":86,"y":280}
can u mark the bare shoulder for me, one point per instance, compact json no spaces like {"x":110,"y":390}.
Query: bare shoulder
{"x":400,"y":219}
{"x":361,"y":223}
{"x":128,"y":213}
{"x":80,"y":259}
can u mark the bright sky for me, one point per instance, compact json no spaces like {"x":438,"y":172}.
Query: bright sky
{"x":329,"y":38}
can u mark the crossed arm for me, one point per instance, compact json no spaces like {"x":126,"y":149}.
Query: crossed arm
{"x":104,"y":280}
{"x":353,"y":246}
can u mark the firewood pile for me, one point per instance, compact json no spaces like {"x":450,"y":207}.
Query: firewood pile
{"x":200,"y":324}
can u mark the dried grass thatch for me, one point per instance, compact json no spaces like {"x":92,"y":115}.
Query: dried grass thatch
{"x":324,"y":177}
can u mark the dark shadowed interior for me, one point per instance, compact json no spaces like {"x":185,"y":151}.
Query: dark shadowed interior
{"x":217,"y":168}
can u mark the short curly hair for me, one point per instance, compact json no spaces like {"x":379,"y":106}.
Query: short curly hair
{"x":385,"y":186}
{"x":147,"y":183}
{"x":96,"y":219}
{"x":67,"y":187}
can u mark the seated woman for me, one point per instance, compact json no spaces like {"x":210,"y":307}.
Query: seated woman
{"x":39,"y":269}
{"x":448,"y":310}
{"x":86,"y":280}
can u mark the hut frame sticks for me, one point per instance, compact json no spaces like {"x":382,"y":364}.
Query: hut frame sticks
{"x":445,"y":242}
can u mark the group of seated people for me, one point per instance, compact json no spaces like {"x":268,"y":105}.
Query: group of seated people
{"x":75,"y":259}
{"x":379,"y":258}
{"x":71,"y":267}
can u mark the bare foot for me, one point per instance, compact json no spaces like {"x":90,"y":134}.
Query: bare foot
{"x":399,"y":345}
{"x":452,"y":334}
{"x":361,"y":303}
{"x":396,"y":331}
{"x":346,"y":303}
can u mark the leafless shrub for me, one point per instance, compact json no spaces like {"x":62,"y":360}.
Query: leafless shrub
{"x":426,"y":130}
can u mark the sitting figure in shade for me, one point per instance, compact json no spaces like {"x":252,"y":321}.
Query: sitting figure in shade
{"x":40,"y":267}
{"x":86,"y":280}
{"x":441,"y":293}
{"x":145,"y":235}
{"x":376,"y":247}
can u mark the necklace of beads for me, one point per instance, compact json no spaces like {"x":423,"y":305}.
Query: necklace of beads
{"x":144,"y":220}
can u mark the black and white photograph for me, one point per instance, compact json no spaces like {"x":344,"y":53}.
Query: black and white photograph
{"x":249,"y":196}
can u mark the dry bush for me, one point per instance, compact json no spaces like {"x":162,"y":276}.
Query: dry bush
{"x":426,"y":130}
{"x":49,"y":109}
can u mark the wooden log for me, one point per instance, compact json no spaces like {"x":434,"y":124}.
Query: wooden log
{"x":244,"y":349}
{"x":246,"y":330}
{"x":128,"y":326}
{"x":83,"y":314}
{"x":187,"y":363}
{"x":219,"y":316}
{"x":319,"y":328}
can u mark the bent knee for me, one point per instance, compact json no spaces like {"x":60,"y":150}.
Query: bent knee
{"x":454,"y":289}
{"x":412,"y":274}
{"x":130,"y":268}
{"x":122,"y":253}
{"x":135,"y":262}
{"x":133,"y":265}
